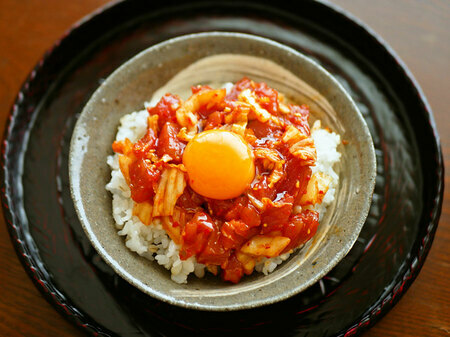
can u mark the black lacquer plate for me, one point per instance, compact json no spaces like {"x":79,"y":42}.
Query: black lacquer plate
{"x":392,"y":246}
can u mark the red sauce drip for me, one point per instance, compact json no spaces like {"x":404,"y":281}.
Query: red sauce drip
{"x":301,"y":227}
{"x":142,"y":177}
{"x":145,"y":144}
{"x":195,"y":234}
{"x":169,"y":144}
{"x":166,"y":109}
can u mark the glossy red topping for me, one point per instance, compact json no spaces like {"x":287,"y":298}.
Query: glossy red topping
{"x":268,"y":218}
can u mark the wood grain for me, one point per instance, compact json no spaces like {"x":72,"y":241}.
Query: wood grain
{"x":419,"y":31}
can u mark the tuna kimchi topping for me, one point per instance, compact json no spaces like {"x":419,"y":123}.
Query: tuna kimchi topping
{"x":228,"y":174}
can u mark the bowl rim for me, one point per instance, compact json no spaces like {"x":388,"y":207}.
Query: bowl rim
{"x":75,"y":165}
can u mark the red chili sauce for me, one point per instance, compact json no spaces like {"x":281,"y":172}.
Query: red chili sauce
{"x":215,"y":230}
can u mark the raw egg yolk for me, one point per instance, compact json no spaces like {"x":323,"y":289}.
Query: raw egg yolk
{"x":219,"y":164}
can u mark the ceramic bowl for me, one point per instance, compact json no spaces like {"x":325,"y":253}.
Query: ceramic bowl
{"x":214,"y":58}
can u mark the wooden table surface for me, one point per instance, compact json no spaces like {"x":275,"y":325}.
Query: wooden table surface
{"x":419,"y":31}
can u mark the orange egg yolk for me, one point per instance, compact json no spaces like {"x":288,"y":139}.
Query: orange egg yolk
{"x":219,"y":164}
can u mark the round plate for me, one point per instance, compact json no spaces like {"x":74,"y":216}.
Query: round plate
{"x":153,"y":70}
{"x":57,"y":255}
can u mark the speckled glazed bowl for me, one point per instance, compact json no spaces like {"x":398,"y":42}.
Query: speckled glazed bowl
{"x":213,"y":58}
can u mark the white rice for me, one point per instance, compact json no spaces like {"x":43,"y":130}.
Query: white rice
{"x":153,"y":243}
{"x":327,"y":155}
